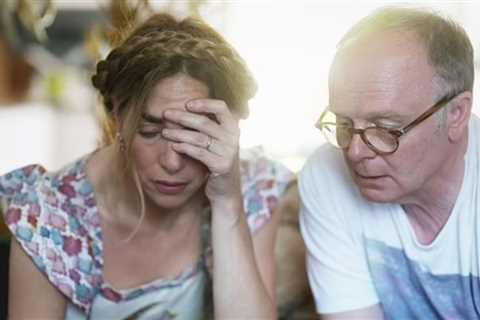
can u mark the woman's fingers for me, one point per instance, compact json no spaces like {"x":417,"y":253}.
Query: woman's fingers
{"x":205,"y":115}
{"x":207,"y":131}
{"x":193,"y":121}
{"x":196,"y":138}
{"x":218,"y":108}
{"x":218,"y":164}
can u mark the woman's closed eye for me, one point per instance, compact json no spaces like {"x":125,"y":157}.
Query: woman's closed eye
{"x":150,"y":131}
{"x":150,"y":134}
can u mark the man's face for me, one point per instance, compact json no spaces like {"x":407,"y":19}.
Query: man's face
{"x":386,"y":80}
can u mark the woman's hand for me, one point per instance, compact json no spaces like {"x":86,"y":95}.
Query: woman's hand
{"x":210,"y":135}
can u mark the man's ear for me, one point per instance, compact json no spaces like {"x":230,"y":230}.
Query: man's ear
{"x":459,"y":115}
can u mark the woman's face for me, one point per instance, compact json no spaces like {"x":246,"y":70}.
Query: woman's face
{"x":170,"y":180}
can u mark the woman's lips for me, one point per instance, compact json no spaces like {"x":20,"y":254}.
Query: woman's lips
{"x":169,"y":187}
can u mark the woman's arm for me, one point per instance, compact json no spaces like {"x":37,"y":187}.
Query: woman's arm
{"x":243,"y":278}
{"x":239,"y":290}
{"x":31,"y":296}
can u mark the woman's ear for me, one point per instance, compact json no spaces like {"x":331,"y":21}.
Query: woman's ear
{"x":458,"y":115}
{"x":116,"y":119}
{"x":116,"y":115}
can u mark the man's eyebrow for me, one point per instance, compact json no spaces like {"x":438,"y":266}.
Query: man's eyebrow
{"x":152,"y":119}
{"x":380,"y":115}
{"x":386,"y":115}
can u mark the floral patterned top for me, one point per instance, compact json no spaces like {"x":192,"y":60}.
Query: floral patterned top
{"x":54,"y":216}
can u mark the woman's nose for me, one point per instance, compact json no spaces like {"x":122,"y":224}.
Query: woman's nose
{"x":171,"y":160}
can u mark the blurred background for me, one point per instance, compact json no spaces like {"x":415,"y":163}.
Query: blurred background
{"x":48,"y":49}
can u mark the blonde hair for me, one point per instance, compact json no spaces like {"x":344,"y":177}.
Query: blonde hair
{"x":159,"y":48}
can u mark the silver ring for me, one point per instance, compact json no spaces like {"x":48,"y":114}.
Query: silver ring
{"x":209,"y":143}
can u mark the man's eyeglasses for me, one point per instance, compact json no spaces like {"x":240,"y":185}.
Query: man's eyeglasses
{"x":340,"y":131}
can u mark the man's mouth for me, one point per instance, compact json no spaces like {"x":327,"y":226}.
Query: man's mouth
{"x":368,"y":176}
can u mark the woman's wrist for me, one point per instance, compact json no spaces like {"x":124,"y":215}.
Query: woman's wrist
{"x":227,"y":211}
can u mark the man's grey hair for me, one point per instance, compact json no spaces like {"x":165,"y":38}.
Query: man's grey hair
{"x":448,"y":47}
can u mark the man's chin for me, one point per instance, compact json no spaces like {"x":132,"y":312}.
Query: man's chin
{"x":376,"y":195}
{"x":373,"y":188}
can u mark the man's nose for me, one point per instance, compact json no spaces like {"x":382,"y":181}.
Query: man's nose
{"x":358,"y":150}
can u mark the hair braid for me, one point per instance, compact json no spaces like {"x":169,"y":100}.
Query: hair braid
{"x":161,"y":43}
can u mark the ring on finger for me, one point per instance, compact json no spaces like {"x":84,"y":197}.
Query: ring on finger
{"x":209,"y":143}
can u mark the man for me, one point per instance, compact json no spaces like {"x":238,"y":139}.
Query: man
{"x":393,"y":228}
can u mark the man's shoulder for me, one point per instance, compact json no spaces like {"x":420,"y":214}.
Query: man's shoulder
{"x":327,"y":166}
{"x":327,"y":154}
{"x":325,"y":183}
{"x":325,"y":179}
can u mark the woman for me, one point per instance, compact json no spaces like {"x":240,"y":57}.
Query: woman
{"x":153,"y":225}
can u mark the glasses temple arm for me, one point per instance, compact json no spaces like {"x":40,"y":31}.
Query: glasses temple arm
{"x":428,"y":113}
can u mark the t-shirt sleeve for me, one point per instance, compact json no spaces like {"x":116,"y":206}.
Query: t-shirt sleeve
{"x":264,"y":181}
{"x":52,"y":238}
{"x":331,"y":227}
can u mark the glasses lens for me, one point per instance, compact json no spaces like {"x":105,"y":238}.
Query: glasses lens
{"x":336,"y":130}
{"x":330,"y":132}
{"x":381,"y":139}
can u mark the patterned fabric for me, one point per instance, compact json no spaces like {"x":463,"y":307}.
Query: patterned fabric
{"x":54,"y":217}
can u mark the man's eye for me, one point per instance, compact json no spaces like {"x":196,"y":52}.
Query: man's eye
{"x":389,"y":126}
{"x":149,"y":134}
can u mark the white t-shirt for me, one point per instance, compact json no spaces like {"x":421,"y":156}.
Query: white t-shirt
{"x":361,"y":253}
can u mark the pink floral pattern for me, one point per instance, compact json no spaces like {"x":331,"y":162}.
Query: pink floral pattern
{"x":55,"y":219}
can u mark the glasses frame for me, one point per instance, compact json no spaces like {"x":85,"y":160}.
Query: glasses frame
{"x":396,"y":133}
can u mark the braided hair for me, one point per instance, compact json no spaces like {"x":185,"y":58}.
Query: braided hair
{"x":162,"y":47}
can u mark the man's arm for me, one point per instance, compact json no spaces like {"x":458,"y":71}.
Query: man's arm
{"x":371,"y":313}
{"x":31,"y":296}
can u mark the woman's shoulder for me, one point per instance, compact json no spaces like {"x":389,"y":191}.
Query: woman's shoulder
{"x":51,"y":215}
{"x":264,"y":181}
{"x":20,"y":179}
{"x":33,"y":185}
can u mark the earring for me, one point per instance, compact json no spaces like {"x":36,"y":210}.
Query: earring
{"x":121,"y":142}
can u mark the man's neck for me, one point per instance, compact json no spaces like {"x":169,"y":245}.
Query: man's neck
{"x":430,"y":208}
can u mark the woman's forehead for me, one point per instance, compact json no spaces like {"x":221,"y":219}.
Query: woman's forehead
{"x":178,"y":89}
{"x":173,"y":93}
